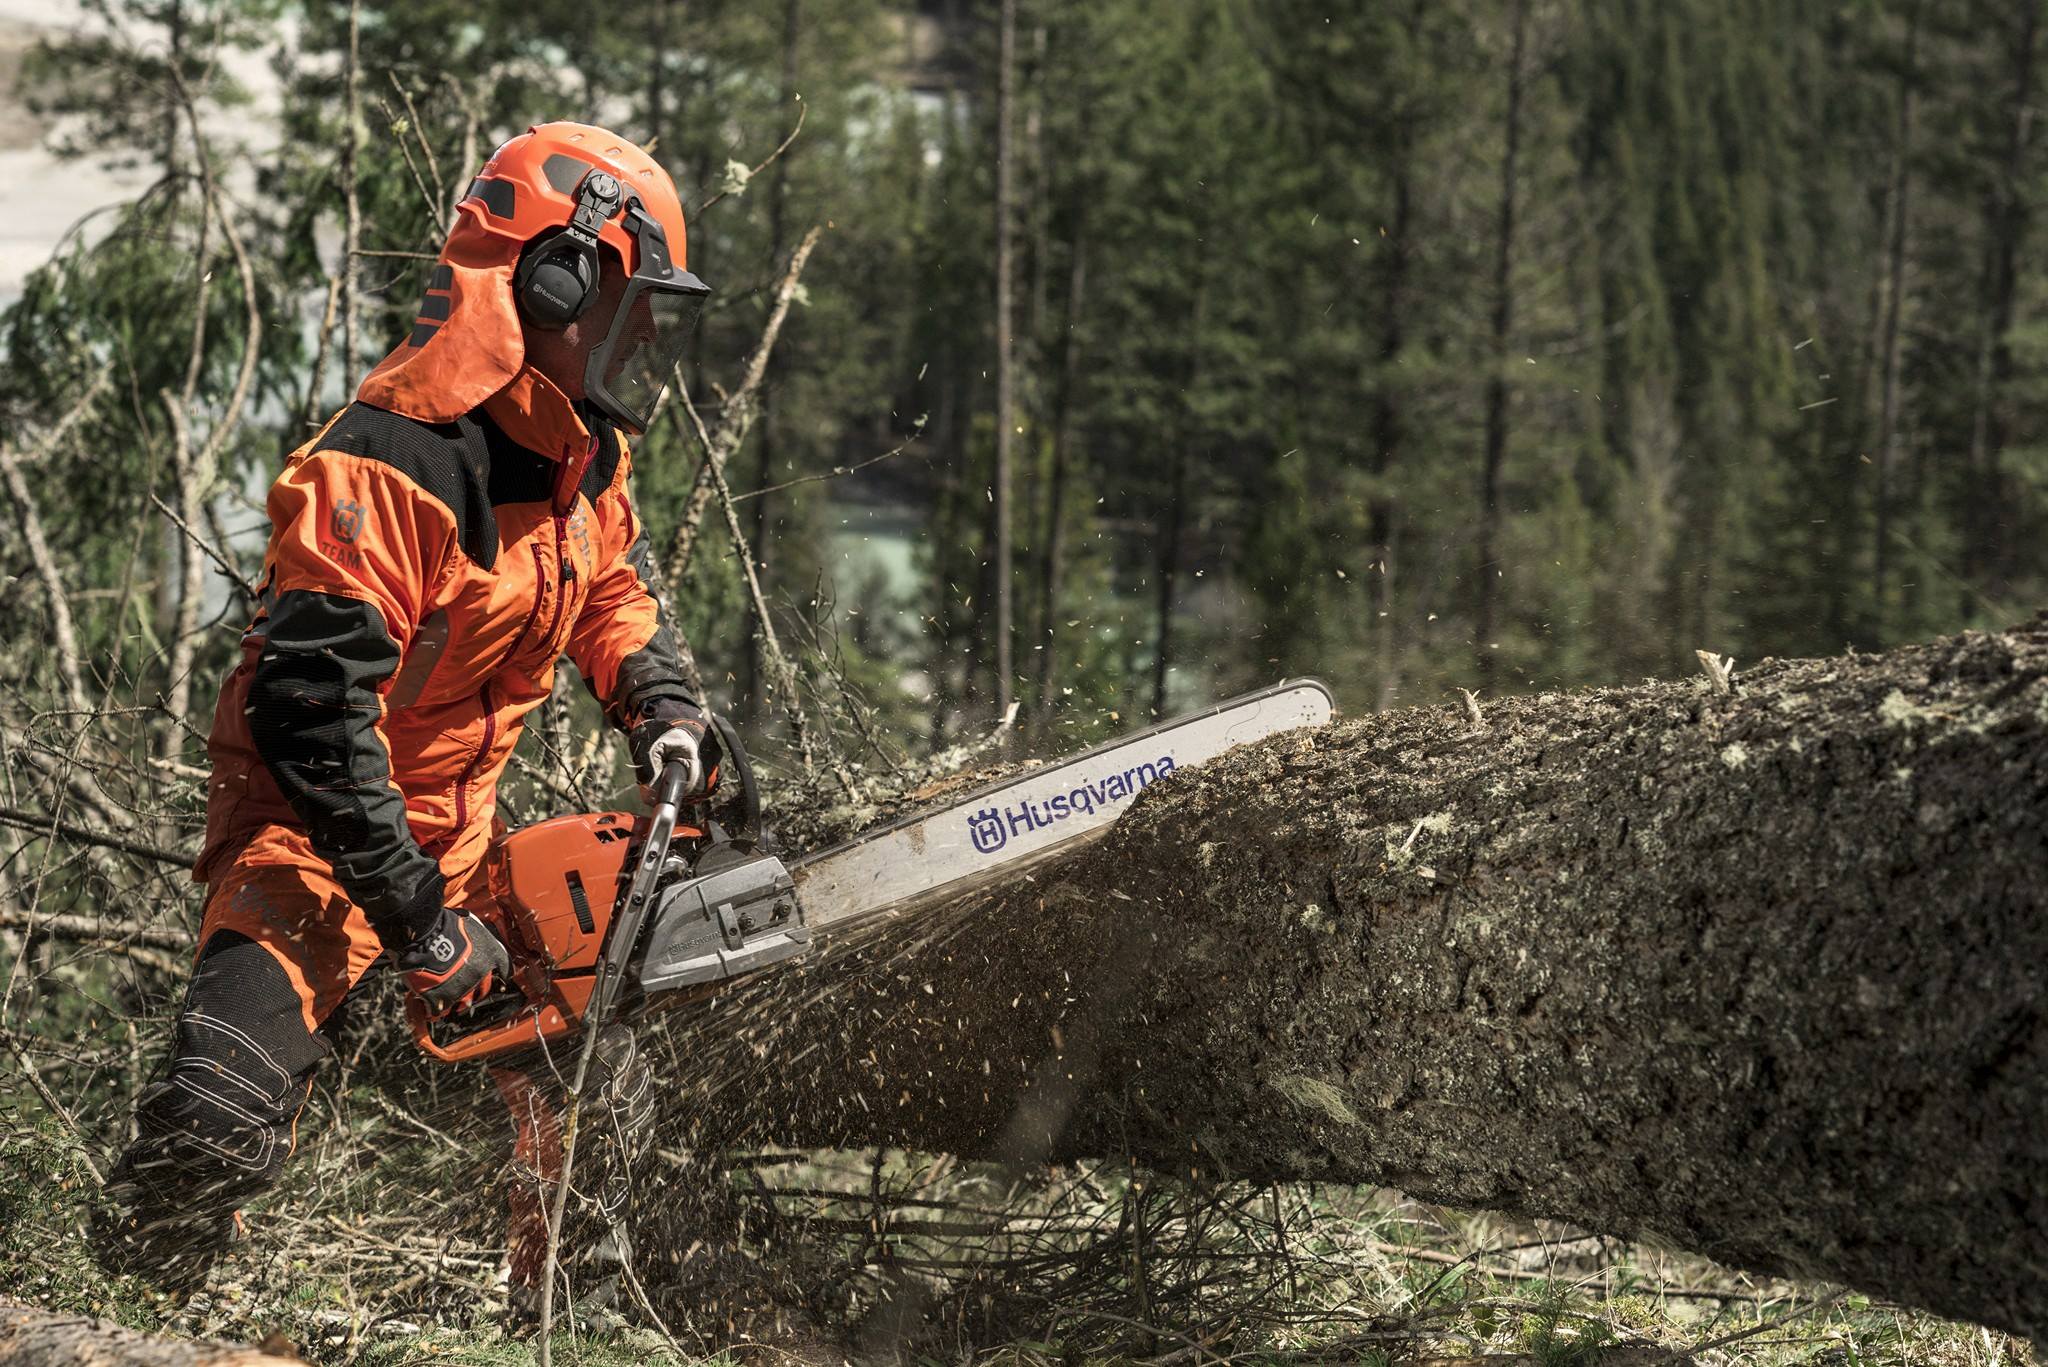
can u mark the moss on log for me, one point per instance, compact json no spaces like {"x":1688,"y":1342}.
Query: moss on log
{"x":1756,"y":974}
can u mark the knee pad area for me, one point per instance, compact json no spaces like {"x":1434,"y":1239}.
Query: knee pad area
{"x":223,"y":1113}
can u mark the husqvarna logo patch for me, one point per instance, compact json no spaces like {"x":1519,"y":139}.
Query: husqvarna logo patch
{"x":347,"y":521}
{"x":344,"y":525}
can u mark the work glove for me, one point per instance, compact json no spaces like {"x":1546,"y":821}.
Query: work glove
{"x":452,"y":964}
{"x":680,"y":736}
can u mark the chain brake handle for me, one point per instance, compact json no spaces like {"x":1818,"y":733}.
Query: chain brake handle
{"x":733,"y":753}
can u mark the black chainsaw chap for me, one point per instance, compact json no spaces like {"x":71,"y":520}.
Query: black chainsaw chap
{"x":214,"y":1130}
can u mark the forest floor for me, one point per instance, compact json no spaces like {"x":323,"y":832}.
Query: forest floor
{"x":902,"y":1257}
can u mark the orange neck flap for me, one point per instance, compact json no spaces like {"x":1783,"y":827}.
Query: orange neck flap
{"x":534,"y":412}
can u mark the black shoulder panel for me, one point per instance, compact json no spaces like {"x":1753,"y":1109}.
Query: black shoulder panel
{"x":517,"y":474}
{"x":598,"y":477}
{"x":451,"y":461}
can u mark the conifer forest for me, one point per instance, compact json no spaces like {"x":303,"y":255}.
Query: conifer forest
{"x":1633,"y":412}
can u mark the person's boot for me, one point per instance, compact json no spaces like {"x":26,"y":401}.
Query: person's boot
{"x":135,"y":1233}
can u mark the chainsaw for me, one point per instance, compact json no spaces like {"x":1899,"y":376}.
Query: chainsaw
{"x":616,"y":915}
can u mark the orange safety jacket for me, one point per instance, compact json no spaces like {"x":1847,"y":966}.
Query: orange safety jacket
{"x":422,"y":580}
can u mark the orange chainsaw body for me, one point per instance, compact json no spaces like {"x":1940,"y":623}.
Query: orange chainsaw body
{"x":554,"y":886}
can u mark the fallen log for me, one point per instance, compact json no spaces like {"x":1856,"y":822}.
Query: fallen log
{"x":30,"y":1337}
{"x":1758,"y":974}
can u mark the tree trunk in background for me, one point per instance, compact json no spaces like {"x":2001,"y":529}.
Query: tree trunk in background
{"x":32,"y":1337}
{"x":1052,"y":565}
{"x":2005,"y":225}
{"x":657,"y":78}
{"x":1171,"y":529}
{"x":352,"y":213}
{"x":1497,"y":383}
{"x":1006,"y":380}
{"x":1894,"y":310}
{"x":1386,"y":427}
{"x":778,"y":232}
{"x":947,"y":694}
{"x":1758,"y":975}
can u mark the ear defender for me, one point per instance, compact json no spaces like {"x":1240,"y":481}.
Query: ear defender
{"x":557,"y":275}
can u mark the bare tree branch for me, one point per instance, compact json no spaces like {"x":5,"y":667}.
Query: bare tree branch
{"x":46,"y":825}
{"x":783,"y":146}
{"x":836,"y":472}
{"x":94,"y":930}
{"x":227,"y":567}
{"x":195,"y":471}
{"x":62,"y":627}
{"x":737,"y":418}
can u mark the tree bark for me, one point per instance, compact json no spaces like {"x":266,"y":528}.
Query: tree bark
{"x":1760,"y":975}
{"x":30,"y":1337}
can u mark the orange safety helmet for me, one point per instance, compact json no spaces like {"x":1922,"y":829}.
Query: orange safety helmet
{"x":525,"y":246}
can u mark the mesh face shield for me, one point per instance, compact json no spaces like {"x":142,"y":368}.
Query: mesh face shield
{"x":628,"y":370}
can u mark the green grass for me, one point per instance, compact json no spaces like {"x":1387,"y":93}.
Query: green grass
{"x":1373,"y":1279}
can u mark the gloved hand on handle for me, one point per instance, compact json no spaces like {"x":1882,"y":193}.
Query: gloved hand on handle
{"x":453,"y":963}
{"x":676,"y":733}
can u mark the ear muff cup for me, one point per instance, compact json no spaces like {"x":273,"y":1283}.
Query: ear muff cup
{"x":555,"y":280}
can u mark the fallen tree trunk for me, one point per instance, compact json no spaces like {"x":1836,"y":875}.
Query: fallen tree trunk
{"x":30,"y":1337}
{"x":1760,"y":975}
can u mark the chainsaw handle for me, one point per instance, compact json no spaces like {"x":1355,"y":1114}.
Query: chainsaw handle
{"x":734,"y":753}
{"x":670,"y":787}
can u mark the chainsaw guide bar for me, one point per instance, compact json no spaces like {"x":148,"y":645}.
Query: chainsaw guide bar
{"x":1015,"y":822}
{"x":680,"y":927}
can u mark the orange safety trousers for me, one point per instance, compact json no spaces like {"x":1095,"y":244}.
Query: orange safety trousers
{"x":299,"y":914}
{"x":299,"y":917}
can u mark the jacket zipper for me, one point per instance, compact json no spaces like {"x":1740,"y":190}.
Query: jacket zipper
{"x":567,"y":481}
{"x":568,"y":573}
{"x":475,"y":761}
{"x":532,"y":613}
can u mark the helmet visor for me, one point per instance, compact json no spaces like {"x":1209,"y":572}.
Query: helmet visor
{"x":629,"y":369}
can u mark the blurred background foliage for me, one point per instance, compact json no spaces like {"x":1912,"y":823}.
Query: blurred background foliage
{"x":1415,"y":344}
{"x":1497,"y":343}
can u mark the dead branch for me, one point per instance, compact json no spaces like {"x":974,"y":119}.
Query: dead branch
{"x":419,"y":134}
{"x":783,"y":146}
{"x":780,"y":669}
{"x":41,"y":824}
{"x":419,"y":183}
{"x":52,"y":1104}
{"x":309,"y":412}
{"x":836,"y":472}
{"x":207,"y":548}
{"x":96,"y":930}
{"x":195,"y":471}
{"x":63,"y":628}
{"x":737,"y":418}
